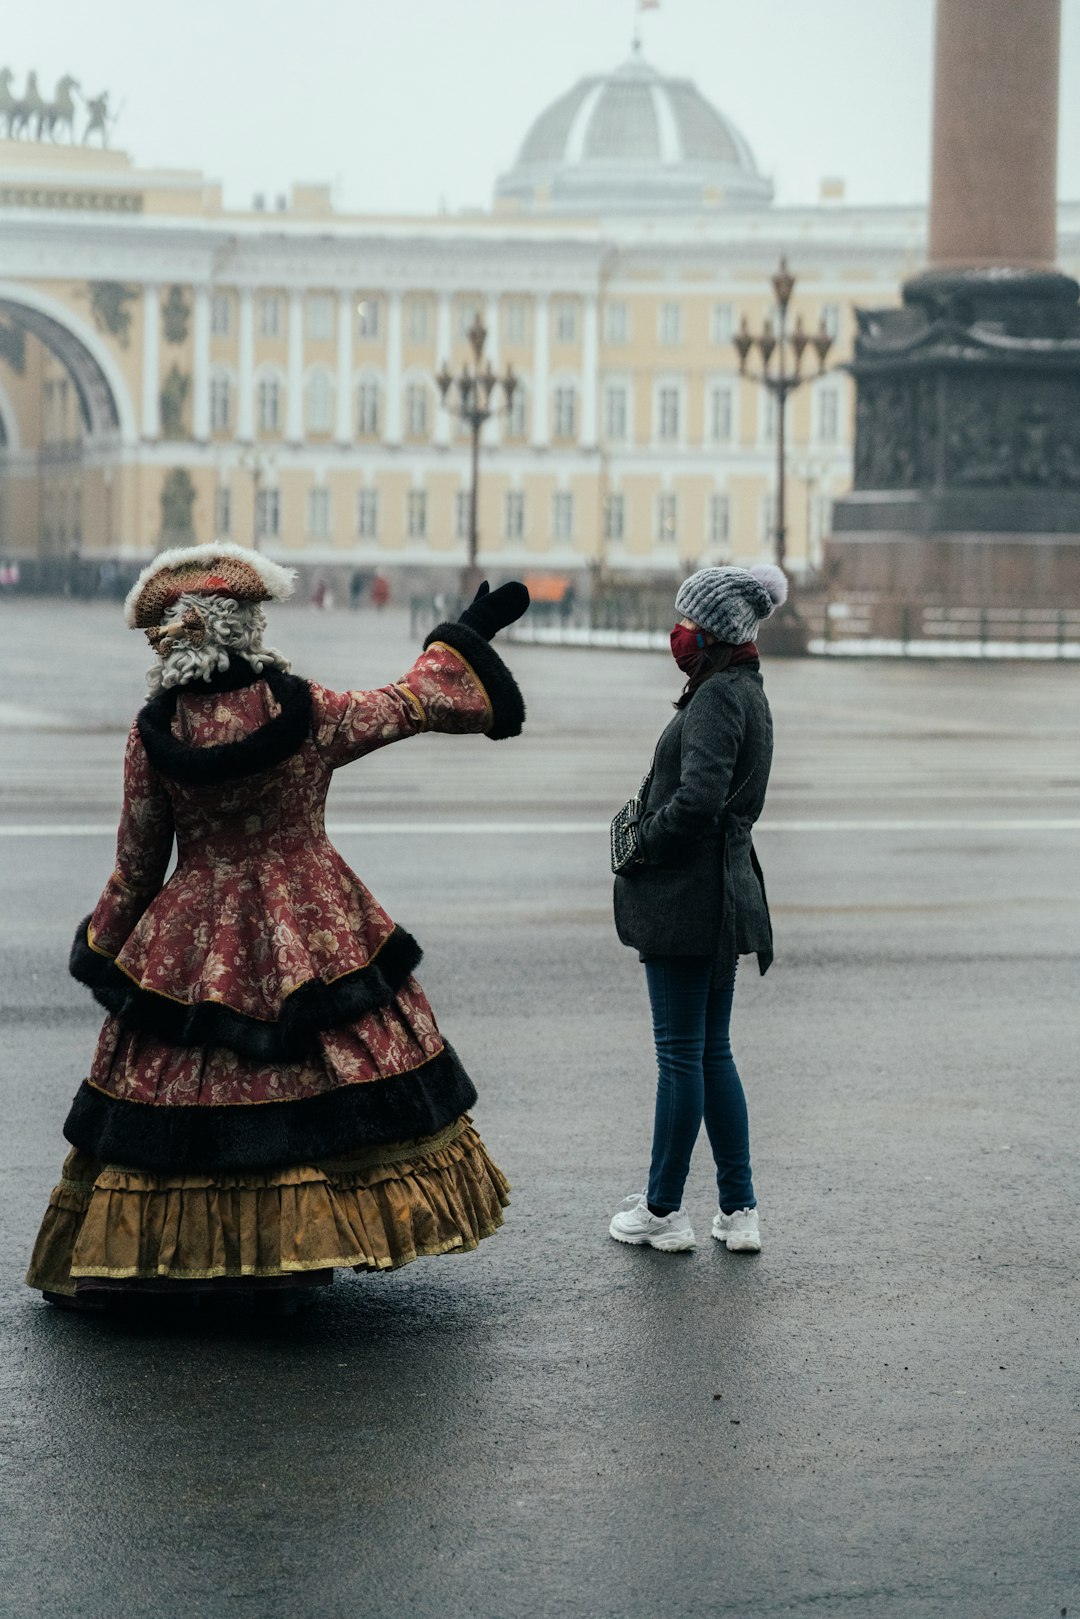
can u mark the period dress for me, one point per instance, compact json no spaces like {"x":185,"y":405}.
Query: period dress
{"x":270,"y":1095}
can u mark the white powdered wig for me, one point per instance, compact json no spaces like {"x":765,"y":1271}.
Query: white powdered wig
{"x":775,"y":582}
{"x":280,"y":582}
{"x":228,"y":627}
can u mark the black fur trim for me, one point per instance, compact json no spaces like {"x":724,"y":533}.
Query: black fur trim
{"x":262,"y":750}
{"x":315,"y":1005}
{"x":270,"y":1135}
{"x":507,"y":704}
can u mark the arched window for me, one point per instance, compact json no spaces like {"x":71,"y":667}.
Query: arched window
{"x":565,"y":424}
{"x":416,"y":409}
{"x":220,"y":402}
{"x":269,"y":404}
{"x":319,"y":404}
{"x":367,"y":407}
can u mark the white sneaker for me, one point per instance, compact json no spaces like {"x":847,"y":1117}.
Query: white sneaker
{"x":670,"y":1233}
{"x":739,"y":1231}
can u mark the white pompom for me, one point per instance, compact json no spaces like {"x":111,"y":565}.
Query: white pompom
{"x":774,"y":581}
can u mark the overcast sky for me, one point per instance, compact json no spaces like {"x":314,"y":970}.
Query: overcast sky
{"x":409,"y":105}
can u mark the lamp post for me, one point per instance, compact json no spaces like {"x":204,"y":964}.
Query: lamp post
{"x":782,"y":378}
{"x":258,"y":462}
{"x":470,"y":397}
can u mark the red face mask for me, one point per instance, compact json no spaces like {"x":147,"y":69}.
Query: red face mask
{"x":686,"y":647}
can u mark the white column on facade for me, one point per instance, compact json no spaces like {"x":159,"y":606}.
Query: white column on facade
{"x":294,"y":406}
{"x":151,"y":363}
{"x":245,"y":404}
{"x":541,"y":373}
{"x":393,"y":368}
{"x":590,"y":354}
{"x":200,"y":401}
{"x":343,"y":425}
{"x":442,"y":352}
{"x":493,"y":428}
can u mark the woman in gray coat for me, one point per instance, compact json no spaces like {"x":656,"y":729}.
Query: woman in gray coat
{"x":696,"y":902}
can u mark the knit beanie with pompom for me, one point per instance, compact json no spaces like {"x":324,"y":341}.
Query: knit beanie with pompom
{"x":731,"y":602}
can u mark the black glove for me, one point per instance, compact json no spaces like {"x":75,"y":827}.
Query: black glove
{"x":492,"y":610}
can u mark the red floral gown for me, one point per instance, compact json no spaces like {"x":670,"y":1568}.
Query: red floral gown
{"x":270,"y":1095}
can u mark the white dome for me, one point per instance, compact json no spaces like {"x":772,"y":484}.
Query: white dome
{"x":632,"y":141}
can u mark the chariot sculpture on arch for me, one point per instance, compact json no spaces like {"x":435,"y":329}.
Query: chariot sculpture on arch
{"x":32,"y":117}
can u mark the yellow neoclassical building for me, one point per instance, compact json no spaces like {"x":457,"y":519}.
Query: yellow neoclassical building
{"x":171,"y":369}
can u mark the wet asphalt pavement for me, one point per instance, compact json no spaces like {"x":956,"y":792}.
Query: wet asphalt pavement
{"x":878,"y":1417}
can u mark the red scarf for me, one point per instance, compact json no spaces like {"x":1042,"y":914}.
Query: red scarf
{"x":744,"y":654}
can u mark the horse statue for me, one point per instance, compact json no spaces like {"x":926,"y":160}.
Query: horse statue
{"x":59,"y":111}
{"x":27,"y":109}
{"x":7,"y":100}
{"x":98,"y":121}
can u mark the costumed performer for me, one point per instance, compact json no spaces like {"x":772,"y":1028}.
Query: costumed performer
{"x":270,"y":1097}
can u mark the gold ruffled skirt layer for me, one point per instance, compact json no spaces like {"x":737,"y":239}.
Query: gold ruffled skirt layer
{"x":376,"y":1209}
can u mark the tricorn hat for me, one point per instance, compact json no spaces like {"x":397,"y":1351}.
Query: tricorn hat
{"x":204,"y":570}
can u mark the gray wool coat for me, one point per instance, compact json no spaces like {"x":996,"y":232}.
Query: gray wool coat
{"x":700,"y":891}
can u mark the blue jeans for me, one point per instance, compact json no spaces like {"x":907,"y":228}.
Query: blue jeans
{"x":697,"y":1078}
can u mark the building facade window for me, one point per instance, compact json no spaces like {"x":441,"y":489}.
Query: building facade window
{"x":770,"y":416}
{"x":515,"y":515}
{"x":368,"y":318}
{"x":722,"y":323}
{"x":614,"y":517}
{"x":719,"y":520}
{"x":461,"y":515}
{"x":419,"y":320}
{"x":615,"y":412}
{"x":268,"y":400}
{"x":220,"y":402}
{"x":667,"y":412}
{"x":416,"y":514}
{"x":221,"y":314}
{"x":565,"y":321}
{"x":367,"y":408}
{"x":416,"y":410}
{"x":616,"y":323}
{"x":268,"y":513}
{"x":319,"y":403}
{"x":768,"y":515}
{"x":367,"y":514}
{"x":319,"y":513}
{"x":565,"y":421}
{"x":515,"y":320}
{"x":667,"y":519}
{"x":517,"y":415}
{"x":562,"y":515}
{"x":828,"y":415}
{"x":670,"y":324}
{"x":222,"y":511}
{"x":830,"y":319}
{"x":319,"y":317}
{"x":721,"y":413}
{"x":270,"y":315}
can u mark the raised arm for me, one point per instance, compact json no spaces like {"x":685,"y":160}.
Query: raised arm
{"x":143,"y":847}
{"x":459,"y":684}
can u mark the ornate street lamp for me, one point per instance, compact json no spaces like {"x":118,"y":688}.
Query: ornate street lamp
{"x":259,"y":463}
{"x":470,"y":397}
{"x":782,"y":378}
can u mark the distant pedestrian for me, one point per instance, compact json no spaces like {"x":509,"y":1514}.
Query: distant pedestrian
{"x":690,"y":898}
{"x":358,"y":584}
{"x":380,"y":591}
